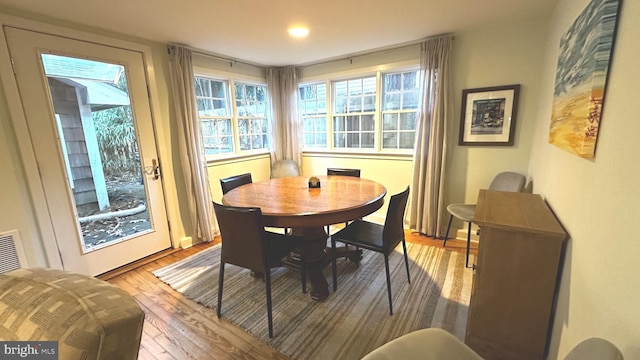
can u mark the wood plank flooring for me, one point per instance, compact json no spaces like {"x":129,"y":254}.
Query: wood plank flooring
{"x":178,"y":328}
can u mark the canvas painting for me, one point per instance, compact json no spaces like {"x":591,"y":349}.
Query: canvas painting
{"x":581,"y":75}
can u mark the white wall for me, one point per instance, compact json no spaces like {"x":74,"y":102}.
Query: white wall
{"x":258,"y":166}
{"x":506,"y":53}
{"x":596,"y":199}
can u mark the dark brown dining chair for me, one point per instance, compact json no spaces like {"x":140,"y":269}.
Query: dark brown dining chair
{"x":247,"y":244}
{"x":379,"y":238}
{"x":342,"y":172}
{"x":232,"y":182}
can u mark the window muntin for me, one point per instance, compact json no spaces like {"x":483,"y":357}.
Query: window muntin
{"x":229,"y":118}
{"x":313,"y":112}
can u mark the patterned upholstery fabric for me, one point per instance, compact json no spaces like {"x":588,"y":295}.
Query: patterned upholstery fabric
{"x":90,"y":318}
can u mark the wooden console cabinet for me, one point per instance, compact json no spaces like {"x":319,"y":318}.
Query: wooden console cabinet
{"x":515,"y":283}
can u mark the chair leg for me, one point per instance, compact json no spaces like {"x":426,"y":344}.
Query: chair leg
{"x":334,"y":266}
{"x":446,"y":235}
{"x":303,"y":270}
{"x":386,"y":268}
{"x":406,"y":259}
{"x":468,"y":244}
{"x":269,"y":316}
{"x":220,"y":282}
{"x":357,"y":247}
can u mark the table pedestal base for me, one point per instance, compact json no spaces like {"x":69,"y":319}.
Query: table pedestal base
{"x":317,"y":257}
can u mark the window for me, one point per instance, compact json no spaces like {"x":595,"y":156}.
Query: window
{"x":354,"y":113}
{"x":212,"y":99}
{"x":228,"y":129}
{"x":313,"y":111}
{"x":251,"y":105}
{"x":372,"y":112}
{"x":399,"y":110}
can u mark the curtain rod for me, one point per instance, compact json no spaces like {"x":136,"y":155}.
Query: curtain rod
{"x":323,"y":61}
{"x":212,"y":55}
{"x":376,"y":51}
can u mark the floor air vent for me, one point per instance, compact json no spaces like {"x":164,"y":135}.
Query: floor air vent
{"x":11,"y":252}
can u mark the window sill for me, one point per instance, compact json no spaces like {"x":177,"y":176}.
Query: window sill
{"x":234,"y":158}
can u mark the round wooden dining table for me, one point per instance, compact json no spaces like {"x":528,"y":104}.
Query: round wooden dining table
{"x":289,"y":203}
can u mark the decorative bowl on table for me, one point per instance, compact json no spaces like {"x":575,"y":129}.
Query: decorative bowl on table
{"x":314,"y":182}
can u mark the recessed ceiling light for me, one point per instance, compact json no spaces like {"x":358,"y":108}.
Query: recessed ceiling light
{"x":298,"y":32}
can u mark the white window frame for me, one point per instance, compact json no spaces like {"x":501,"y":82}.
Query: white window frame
{"x":359,"y":114}
{"x":216,"y":118}
{"x":324,"y":115}
{"x":238,"y":118}
{"x":399,"y":111}
{"x":230,"y":79}
{"x":377,"y":71}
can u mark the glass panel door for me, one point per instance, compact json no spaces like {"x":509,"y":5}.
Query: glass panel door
{"x":87,"y":109}
{"x":99,"y":145}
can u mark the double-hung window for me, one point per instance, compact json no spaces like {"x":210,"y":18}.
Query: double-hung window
{"x":214,"y":110}
{"x":375,"y":113}
{"x":251,"y":110}
{"x":232,"y":122}
{"x":399,"y":109}
{"x":313,"y":111}
{"x":354,"y":109}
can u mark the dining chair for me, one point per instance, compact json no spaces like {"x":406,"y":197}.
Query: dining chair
{"x":379,"y":238}
{"x":232,"y":182}
{"x":284,"y":168}
{"x":342,"y":172}
{"x":245,"y":243}
{"x":504,"y":181}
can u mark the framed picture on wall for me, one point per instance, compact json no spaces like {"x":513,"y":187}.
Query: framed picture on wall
{"x":488,"y":116}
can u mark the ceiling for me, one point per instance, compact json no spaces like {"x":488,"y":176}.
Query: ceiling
{"x":255,"y":31}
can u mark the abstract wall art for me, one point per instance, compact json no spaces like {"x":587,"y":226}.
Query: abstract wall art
{"x":583,"y":64}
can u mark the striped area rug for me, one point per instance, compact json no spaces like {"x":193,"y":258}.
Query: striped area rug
{"x":352,"y":321}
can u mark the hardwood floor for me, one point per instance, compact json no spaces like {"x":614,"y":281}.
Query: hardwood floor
{"x":178,"y":328}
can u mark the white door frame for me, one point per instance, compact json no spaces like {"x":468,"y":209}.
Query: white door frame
{"x":18,"y":117}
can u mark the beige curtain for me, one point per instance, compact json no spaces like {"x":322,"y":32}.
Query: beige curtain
{"x":427,"y":196}
{"x":191,"y":147}
{"x":286,"y":129}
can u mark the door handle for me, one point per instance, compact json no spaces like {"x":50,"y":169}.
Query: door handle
{"x":156,"y":169}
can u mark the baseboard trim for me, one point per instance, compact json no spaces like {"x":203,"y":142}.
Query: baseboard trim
{"x":461,"y":234}
{"x":136,"y":264}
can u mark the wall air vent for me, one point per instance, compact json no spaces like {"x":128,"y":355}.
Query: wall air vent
{"x":11,"y":252}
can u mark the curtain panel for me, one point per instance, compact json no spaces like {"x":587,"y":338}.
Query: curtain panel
{"x":191,"y":147}
{"x":427,"y":198}
{"x":286,"y":128}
